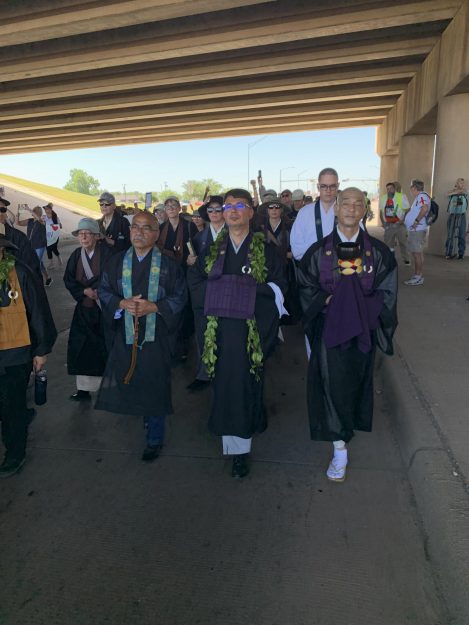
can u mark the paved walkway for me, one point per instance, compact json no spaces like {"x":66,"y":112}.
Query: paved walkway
{"x":89,"y":534}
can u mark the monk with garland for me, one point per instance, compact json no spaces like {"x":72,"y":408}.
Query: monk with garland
{"x":239,"y":285}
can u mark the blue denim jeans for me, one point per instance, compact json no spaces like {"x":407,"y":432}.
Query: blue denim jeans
{"x":155,"y":428}
{"x":456,"y":227}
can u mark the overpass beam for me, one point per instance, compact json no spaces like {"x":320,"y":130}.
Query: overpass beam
{"x":451,"y":159}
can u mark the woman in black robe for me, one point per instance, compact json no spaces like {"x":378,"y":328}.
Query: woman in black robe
{"x":273,"y":220}
{"x":175,"y":235}
{"x":86,"y":352}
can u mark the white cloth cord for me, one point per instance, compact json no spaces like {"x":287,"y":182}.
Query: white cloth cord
{"x":308,"y":347}
{"x":339,"y":445}
{"x":279,"y":299}
{"x":90,"y":383}
{"x":235,"y":446}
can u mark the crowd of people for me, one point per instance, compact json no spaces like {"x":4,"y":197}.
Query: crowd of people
{"x":231,"y":275}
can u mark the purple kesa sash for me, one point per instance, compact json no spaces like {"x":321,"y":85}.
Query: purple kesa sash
{"x":230,"y":295}
{"x":353,"y":311}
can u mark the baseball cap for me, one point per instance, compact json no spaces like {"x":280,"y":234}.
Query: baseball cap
{"x":298,"y":194}
{"x":269,"y":194}
{"x":107,"y":197}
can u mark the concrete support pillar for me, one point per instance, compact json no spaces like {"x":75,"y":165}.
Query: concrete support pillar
{"x":415,"y":160}
{"x":388,"y":171}
{"x":451,"y":159}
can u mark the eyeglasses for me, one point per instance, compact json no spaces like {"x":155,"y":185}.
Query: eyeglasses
{"x":212,"y":209}
{"x":145,"y":228}
{"x":239,"y":206}
{"x":171,"y":205}
{"x":105,"y":203}
{"x":328,"y":187}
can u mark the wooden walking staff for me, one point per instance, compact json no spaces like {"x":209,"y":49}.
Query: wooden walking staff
{"x":133,"y":358}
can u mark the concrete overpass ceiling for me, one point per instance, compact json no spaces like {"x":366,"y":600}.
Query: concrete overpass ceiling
{"x":84,"y":74}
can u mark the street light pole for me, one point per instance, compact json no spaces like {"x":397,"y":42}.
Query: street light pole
{"x":251,"y":145}
{"x":280,"y":176}
{"x":300,"y":174}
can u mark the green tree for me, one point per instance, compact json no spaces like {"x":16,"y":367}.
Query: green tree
{"x":81,"y":182}
{"x":195,"y":189}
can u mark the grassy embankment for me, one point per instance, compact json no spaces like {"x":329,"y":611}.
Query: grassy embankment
{"x":80,"y":199}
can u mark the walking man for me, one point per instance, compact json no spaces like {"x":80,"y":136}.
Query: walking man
{"x":315,"y":221}
{"x":392,"y":209}
{"x":239,"y":286}
{"x":417,"y":230}
{"x":142,"y":293}
{"x":348,"y":289}
{"x":27,"y":334}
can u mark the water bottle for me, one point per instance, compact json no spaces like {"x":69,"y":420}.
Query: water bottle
{"x":40,"y":387}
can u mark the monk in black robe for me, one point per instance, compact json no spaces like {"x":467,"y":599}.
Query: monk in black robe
{"x":27,"y":334}
{"x":348,"y":292}
{"x":176,"y":237}
{"x":232,"y":293}
{"x":86,"y":353}
{"x":145,"y":286}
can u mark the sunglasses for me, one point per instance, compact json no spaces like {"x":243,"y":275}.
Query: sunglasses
{"x":239,"y":206}
{"x":105,"y":203}
{"x":285,"y":195}
{"x":218,"y":209}
{"x":274,"y":207}
{"x":3,"y":209}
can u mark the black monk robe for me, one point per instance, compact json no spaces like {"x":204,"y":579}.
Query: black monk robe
{"x":149,"y":391}
{"x":237,"y":407}
{"x":86,"y":351}
{"x":340,"y":379}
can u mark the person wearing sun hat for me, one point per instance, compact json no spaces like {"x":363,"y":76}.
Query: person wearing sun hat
{"x":27,"y":335}
{"x":86,"y":351}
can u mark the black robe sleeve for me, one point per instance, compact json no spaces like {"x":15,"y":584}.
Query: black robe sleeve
{"x":386,"y":283}
{"x":72,"y":285}
{"x":41,"y":323}
{"x":312,"y":296}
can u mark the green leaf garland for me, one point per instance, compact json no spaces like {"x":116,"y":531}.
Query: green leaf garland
{"x":256,"y":256}
{"x":7,"y":263}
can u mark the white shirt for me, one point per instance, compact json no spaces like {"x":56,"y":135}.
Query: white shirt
{"x":304,"y":233}
{"x":412,"y":214}
{"x":214,"y":232}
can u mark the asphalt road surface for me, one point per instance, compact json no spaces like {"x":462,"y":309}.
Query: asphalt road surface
{"x":90,"y":535}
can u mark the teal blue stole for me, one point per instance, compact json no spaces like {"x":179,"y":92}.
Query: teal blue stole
{"x":153,"y":283}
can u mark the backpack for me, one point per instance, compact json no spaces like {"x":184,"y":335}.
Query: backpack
{"x":432,"y":214}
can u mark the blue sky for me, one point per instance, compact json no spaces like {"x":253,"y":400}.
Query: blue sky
{"x":148,"y":167}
